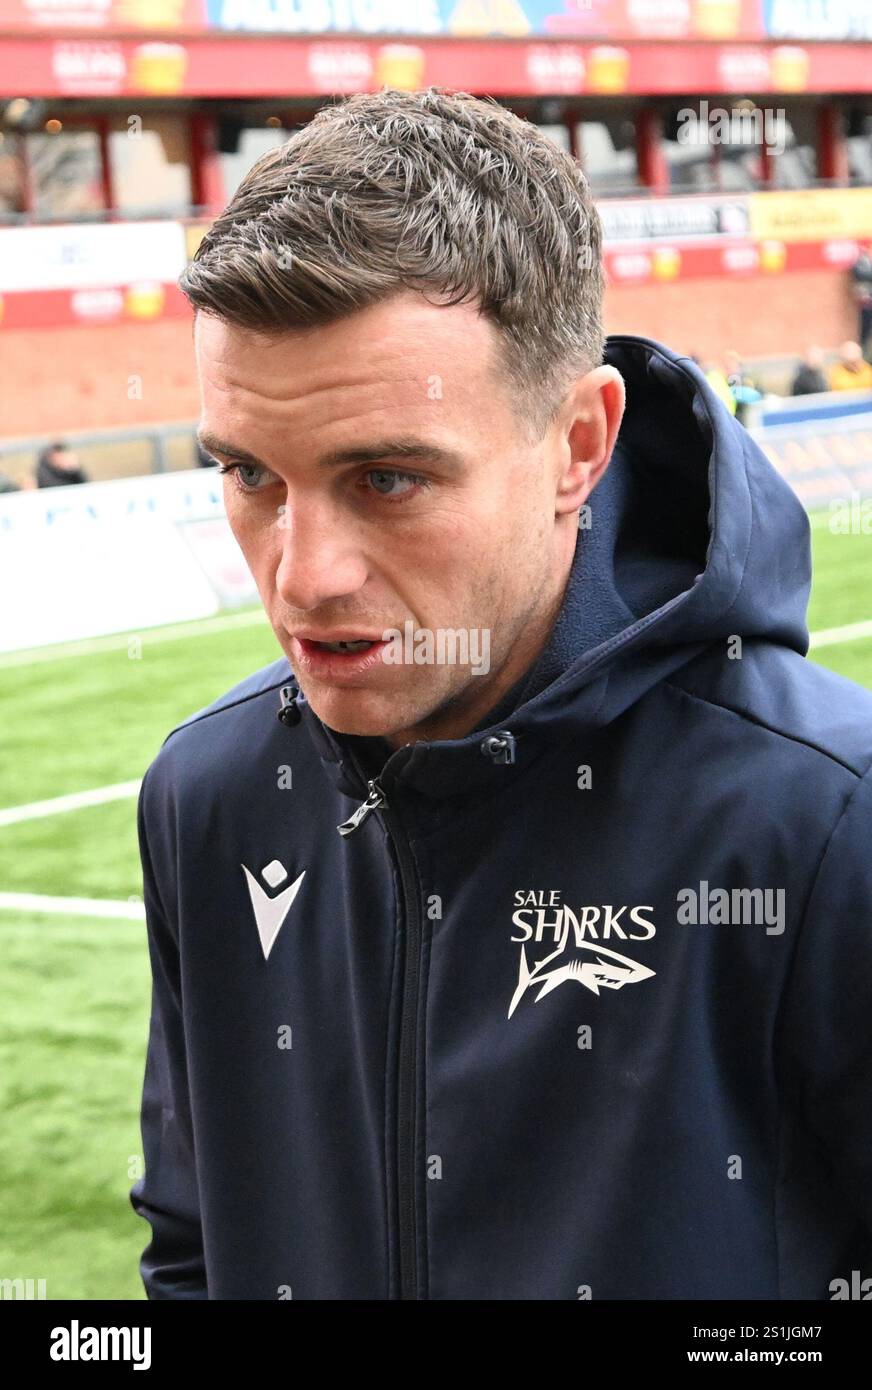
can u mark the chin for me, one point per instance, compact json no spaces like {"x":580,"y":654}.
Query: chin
{"x":355,"y":712}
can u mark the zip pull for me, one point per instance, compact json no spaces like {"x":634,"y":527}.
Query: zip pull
{"x":289,"y":711}
{"x":376,"y":798}
{"x":500,"y":747}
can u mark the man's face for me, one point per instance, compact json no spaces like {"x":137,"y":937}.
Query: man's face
{"x":393,"y":484}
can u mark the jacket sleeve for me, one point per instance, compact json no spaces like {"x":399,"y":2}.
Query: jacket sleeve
{"x":172,"y":1265}
{"x":826,"y":1024}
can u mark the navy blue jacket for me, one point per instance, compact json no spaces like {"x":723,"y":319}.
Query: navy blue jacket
{"x":581,"y":1006}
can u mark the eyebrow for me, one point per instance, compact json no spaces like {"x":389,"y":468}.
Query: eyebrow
{"x":406,"y":447}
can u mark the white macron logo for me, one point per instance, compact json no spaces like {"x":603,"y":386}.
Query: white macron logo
{"x":269,"y":913}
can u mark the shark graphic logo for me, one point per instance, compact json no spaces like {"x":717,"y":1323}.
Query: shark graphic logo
{"x":605,"y":970}
{"x":270,"y":913}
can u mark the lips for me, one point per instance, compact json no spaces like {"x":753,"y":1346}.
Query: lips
{"x":340,"y":642}
{"x":339,"y":657}
{"x":343,"y":646}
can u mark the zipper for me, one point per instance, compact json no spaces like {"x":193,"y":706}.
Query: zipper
{"x":407,"y":1083}
{"x":375,"y":799}
{"x":406,"y":1156}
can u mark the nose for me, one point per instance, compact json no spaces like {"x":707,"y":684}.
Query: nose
{"x":321,"y":559}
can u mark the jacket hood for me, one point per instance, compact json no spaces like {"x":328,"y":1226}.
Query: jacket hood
{"x":692,"y":537}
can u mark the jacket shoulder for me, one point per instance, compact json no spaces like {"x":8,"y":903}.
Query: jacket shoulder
{"x":790,"y":696}
{"x":183,"y":744}
{"x":268,"y":678}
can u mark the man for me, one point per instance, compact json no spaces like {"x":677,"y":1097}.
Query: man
{"x":530,"y":961}
{"x":861,"y":283}
{"x":850,"y":372}
{"x":717,"y":380}
{"x":58,"y":466}
{"x":809,"y":378}
{"x":741,"y":385}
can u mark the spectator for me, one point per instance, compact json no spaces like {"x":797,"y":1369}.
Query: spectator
{"x":850,"y":372}
{"x":718,"y":381}
{"x":8,"y":484}
{"x":809,"y":378}
{"x":741,"y":383}
{"x":861,"y":277}
{"x":58,"y":466}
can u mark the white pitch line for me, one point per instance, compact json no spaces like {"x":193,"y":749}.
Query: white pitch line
{"x":831,"y":636}
{"x":74,"y":801}
{"x":73,"y":907}
{"x":202,"y":627}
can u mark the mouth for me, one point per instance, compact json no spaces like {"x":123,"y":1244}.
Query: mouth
{"x":346,"y":643}
{"x":350,"y":645}
{"x":348,"y":657}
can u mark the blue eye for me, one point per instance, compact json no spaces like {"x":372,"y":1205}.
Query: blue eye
{"x":261,"y":477}
{"x":383,"y":480}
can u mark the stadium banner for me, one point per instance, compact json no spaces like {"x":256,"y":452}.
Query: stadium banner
{"x":622,"y":19}
{"x":718,"y":20}
{"x":818,"y":20}
{"x":136,"y":302}
{"x":91,"y":273}
{"x":102,"y":16}
{"x":214,"y":547}
{"x":812,"y":214}
{"x":632,"y":19}
{"x":643,"y":219}
{"x":231,"y":66}
{"x":651,"y":240}
{"x":659,"y":261}
{"x":73,"y":255}
{"x":96,"y":558}
{"x":826,"y":460}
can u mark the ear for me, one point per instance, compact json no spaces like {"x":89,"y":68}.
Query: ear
{"x":591,"y":419}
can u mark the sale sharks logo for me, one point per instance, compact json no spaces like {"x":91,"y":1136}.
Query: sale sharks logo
{"x":576,"y":940}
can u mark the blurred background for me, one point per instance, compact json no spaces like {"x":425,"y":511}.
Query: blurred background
{"x":729,"y":145}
